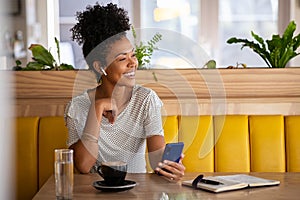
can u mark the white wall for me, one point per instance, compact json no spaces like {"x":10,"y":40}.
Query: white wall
{"x":48,"y":18}
{"x":295,"y":15}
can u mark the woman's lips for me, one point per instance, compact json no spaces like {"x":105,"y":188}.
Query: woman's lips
{"x":130,"y":74}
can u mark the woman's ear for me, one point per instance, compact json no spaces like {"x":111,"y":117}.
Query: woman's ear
{"x":98,"y":68}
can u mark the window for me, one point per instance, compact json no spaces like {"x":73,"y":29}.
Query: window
{"x":177,"y":21}
{"x":238,"y":18}
{"x":212,"y":23}
{"x":204,"y":25}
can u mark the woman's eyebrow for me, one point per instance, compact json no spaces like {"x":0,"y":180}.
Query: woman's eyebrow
{"x":124,"y":53}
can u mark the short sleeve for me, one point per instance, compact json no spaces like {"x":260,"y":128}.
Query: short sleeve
{"x":153,"y":121}
{"x":75,"y":117}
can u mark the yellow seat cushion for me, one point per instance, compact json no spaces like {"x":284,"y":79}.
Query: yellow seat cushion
{"x":292,"y":134}
{"x":197,"y":134}
{"x":232,"y":153}
{"x":52,"y":135}
{"x":267,"y":143}
{"x":26,"y":129}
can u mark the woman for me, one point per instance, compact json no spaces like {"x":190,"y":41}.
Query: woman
{"x":115,"y":120}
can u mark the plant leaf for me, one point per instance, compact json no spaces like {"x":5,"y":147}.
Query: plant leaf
{"x":211,"y":64}
{"x":41,"y":55}
{"x":58,"y":49}
{"x":289,"y":32}
{"x":254,"y":46}
{"x":274,"y":43}
{"x":65,"y":66}
{"x":34,"y":66}
{"x":279,"y":49}
{"x":145,"y":51}
{"x":296,"y":41}
{"x":259,"y":40}
{"x":288,"y":54}
{"x":18,"y":62}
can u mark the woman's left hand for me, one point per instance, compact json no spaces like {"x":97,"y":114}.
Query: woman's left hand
{"x":170,"y":170}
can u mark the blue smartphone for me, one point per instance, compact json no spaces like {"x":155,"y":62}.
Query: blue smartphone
{"x":173,"y":151}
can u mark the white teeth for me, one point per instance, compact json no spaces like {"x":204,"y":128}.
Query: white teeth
{"x":129,"y":74}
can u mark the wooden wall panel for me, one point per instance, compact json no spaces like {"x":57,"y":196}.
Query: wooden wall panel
{"x":185,"y":92}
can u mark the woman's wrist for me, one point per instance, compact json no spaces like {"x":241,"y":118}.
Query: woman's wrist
{"x":89,"y":137}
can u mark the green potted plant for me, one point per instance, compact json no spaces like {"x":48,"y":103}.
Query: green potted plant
{"x":143,"y":50}
{"x":276,"y":52}
{"x":43,"y":59}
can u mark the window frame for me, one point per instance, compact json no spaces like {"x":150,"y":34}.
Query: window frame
{"x":287,"y":11}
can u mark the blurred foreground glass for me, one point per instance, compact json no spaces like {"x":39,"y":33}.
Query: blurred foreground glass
{"x":64,"y":177}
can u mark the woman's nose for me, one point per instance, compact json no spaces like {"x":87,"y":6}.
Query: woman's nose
{"x":132,"y":62}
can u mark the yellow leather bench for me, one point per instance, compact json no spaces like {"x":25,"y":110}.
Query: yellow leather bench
{"x":26,"y":157}
{"x":197,"y":134}
{"x":36,"y":139}
{"x":233,"y":143}
{"x":267,"y":143}
{"x":52,"y":135}
{"x":292,"y":136}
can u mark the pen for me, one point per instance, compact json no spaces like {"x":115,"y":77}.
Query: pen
{"x":211,"y":182}
{"x":206,"y":181}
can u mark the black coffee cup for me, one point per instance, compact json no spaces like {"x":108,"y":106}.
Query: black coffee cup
{"x":113,"y":173}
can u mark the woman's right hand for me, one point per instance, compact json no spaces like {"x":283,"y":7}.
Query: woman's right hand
{"x":107,"y":108}
{"x":87,"y":150}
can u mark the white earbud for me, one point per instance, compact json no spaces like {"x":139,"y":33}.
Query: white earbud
{"x":104,"y":72}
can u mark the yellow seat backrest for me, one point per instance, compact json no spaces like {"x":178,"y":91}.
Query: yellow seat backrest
{"x":52,"y":135}
{"x":292,"y":135}
{"x":197,"y":134}
{"x":26,"y":129}
{"x":170,"y":126}
{"x":267,"y":143}
{"x":232,"y":153}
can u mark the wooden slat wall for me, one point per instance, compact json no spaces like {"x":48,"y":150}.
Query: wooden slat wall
{"x":184,"y":92}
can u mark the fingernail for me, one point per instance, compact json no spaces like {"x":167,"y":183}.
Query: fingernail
{"x":160,"y":164}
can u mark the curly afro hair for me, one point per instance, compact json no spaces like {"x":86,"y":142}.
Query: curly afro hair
{"x":98,"y":23}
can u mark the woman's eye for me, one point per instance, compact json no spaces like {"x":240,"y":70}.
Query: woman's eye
{"x":121,"y":58}
{"x":133,"y":55}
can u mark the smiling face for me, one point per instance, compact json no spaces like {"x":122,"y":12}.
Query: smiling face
{"x":121,"y":64}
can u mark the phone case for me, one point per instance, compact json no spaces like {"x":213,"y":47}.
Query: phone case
{"x":173,"y":151}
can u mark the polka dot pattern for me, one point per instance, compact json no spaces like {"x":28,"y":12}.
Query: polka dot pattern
{"x":124,"y":140}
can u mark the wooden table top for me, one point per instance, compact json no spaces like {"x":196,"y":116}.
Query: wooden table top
{"x":152,"y":186}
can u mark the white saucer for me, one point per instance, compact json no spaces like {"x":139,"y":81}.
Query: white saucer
{"x":101,"y":185}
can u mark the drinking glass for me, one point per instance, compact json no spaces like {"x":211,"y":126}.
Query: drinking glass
{"x":64,"y":177}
